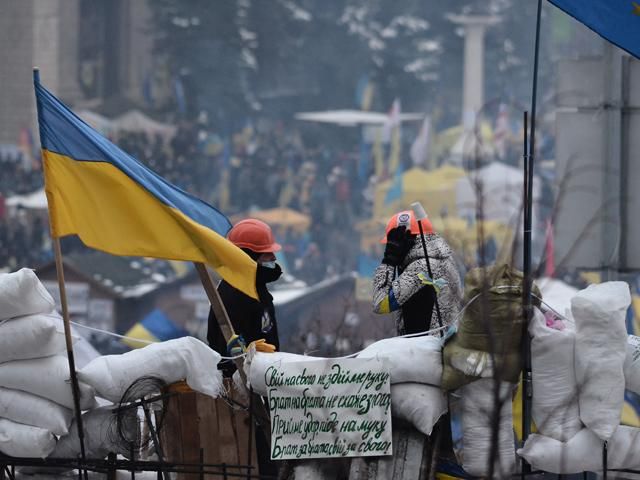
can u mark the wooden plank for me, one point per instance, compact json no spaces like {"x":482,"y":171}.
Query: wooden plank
{"x":190,"y":438}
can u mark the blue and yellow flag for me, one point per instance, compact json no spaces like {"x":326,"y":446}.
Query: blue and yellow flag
{"x":155,"y":327}
{"x":616,"y":20}
{"x":116,"y":204}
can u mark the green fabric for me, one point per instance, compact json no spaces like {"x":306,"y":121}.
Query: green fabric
{"x":493,"y":321}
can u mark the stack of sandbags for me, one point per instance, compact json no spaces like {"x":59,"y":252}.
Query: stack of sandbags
{"x":415,"y":369}
{"x":35,"y":390}
{"x":601,"y":344}
{"x":415,"y":366}
{"x":479,"y":417}
{"x":603,"y":355}
{"x":555,"y":408}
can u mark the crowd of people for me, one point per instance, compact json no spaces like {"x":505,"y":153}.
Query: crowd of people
{"x":24,"y":239}
{"x":258,"y":167}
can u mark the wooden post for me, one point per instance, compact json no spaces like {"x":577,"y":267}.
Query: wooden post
{"x":69,"y":342}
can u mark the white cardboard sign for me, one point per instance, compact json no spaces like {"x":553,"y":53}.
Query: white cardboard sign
{"x":329,"y":408}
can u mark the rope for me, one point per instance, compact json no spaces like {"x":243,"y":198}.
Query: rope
{"x":148,"y":342}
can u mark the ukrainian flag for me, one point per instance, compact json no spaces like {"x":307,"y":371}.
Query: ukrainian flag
{"x":155,"y":327}
{"x":616,"y":20}
{"x":116,"y":204}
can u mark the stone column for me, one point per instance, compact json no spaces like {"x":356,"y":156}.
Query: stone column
{"x":473,"y":80}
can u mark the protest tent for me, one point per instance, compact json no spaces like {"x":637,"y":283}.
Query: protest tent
{"x":34,"y":201}
{"x":98,"y":122}
{"x":280,"y":217}
{"x":455,"y":140}
{"x":497,"y":188}
{"x":435,"y":189}
{"x":353,"y":118}
{"x":136,"y":121}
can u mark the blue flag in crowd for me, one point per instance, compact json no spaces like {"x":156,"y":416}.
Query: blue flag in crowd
{"x":616,"y":20}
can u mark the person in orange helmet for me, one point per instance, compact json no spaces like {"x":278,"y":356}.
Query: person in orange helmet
{"x":401,"y":283}
{"x":253,"y":320}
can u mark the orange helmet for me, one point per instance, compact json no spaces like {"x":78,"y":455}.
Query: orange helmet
{"x":254,"y":235}
{"x":408,"y":219}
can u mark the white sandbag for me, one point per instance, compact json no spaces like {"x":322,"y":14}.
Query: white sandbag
{"x":181,"y":359}
{"x":23,"y":407}
{"x":18,"y":440}
{"x":256,"y":365}
{"x":101,"y":434}
{"x":555,"y":391}
{"x":46,"y":377}
{"x":32,"y":336}
{"x":556,"y":294}
{"x":583,"y":453}
{"x":601,"y":341}
{"x":419,"y":404}
{"x":412,"y":359}
{"x":21,"y":293}
{"x":632,"y":364}
{"x":477,"y":410}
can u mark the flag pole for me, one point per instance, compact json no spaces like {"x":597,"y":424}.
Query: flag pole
{"x":226,"y":327}
{"x":65,"y":311}
{"x":528,"y":280}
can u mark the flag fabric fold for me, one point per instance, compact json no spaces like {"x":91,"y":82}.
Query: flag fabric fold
{"x":616,"y":20}
{"x":116,"y":204}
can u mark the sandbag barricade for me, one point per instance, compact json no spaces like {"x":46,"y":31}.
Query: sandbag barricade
{"x":36,"y":398}
{"x":174,"y":360}
{"x":601,"y":344}
{"x":477,"y":410}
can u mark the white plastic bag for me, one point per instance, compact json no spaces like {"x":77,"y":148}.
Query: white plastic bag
{"x":21,"y":293}
{"x":601,"y":342}
{"x":477,"y":410}
{"x":583,"y":453}
{"x":101,"y":434}
{"x":19,"y":440}
{"x":32,"y":336}
{"x":419,"y":404}
{"x":23,"y":407}
{"x":632,"y":364}
{"x":411,"y":359}
{"x":555,"y":391}
{"x":172,"y":361}
{"x":46,"y":377}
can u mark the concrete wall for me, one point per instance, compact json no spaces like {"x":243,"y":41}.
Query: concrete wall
{"x":597,"y":135}
{"x":17,"y":104}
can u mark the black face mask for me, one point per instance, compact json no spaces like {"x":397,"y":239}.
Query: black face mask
{"x":268,"y":275}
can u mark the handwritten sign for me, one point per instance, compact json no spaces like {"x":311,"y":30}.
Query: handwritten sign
{"x":329,"y":408}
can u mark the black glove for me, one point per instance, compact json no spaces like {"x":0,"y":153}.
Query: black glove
{"x":399,"y":242}
{"x":268,"y":275}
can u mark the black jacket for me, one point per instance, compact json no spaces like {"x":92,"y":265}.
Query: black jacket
{"x":251,"y":319}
